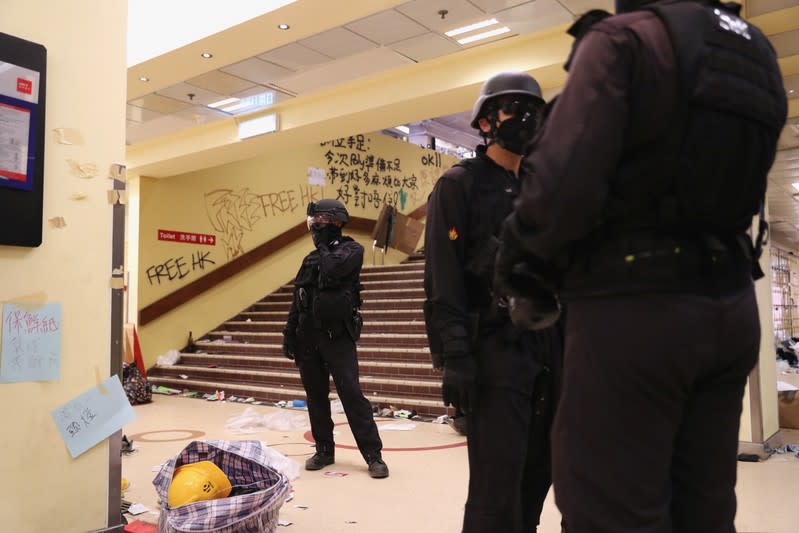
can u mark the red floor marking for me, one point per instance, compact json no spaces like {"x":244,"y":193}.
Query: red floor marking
{"x":309,"y":437}
{"x":193,"y":434}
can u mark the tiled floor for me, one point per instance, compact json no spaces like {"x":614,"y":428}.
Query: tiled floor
{"x":429,"y":472}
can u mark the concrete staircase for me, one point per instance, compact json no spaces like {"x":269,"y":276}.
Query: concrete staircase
{"x":244,"y":355}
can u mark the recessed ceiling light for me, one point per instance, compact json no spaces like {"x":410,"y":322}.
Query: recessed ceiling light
{"x":484,"y":35}
{"x":207,"y":55}
{"x":226,"y":101}
{"x":791,"y":91}
{"x":144,"y":78}
{"x":283,"y":26}
{"x":471,"y":27}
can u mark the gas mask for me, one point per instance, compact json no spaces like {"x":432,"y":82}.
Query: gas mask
{"x":514,"y":133}
{"x":323,"y":230}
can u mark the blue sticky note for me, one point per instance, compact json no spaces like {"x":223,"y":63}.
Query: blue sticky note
{"x":93,"y":416}
{"x":31,"y":347}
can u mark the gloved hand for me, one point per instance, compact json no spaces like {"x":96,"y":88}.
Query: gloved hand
{"x":458,"y":387}
{"x":289,"y":344}
{"x":524,"y":282}
{"x":438,"y":360}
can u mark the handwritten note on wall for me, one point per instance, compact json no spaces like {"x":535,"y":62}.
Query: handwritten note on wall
{"x":31,"y":346}
{"x":93,"y":416}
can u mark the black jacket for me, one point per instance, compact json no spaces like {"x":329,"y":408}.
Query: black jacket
{"x":465,"y":211}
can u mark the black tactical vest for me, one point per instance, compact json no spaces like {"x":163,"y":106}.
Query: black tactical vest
{"x":490,"y":191}
{"x":711,"y":177}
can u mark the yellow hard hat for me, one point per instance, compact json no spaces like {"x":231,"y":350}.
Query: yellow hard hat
{"x":195,"y":482}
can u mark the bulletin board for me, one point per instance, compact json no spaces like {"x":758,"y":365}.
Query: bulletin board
{"x":22,"y":112}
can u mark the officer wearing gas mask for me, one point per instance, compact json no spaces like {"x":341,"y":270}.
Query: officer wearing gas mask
{"x":643,"y":185}
{"x":499,"y":375}
{"x":320,"y":334}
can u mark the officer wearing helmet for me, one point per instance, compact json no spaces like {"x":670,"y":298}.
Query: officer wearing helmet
{"x":320,"y":334}
{"x":499,"y":375}
{"x":644,"y":182}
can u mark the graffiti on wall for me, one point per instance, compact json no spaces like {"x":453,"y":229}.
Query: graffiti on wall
{"x":233,"y":214}
{"x":178,"y":267}
{"x":364,"y":179}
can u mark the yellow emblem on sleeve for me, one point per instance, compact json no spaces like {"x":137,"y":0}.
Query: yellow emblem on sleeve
{"x":453,"y":233}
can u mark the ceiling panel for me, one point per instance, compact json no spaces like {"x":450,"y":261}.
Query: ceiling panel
{"x":139,"y":114}
{"x":387,"y":27}
{"x":181,"y":91}
{"x":534,"y":16}
{"x":353,"y":67}
{"x":425,"y":46}
{"x":220,"y":82}
{"x":426,"y":13}
{"x":200,"y":115}
{"x":256,"y":70}
{"x":338,"y":43}
{"x":785,"y":43}
{"x":578,"y":7}
{"x":295,"y":56}
{"x":492,"y":6}
{"x":155,"y":128}
{"x":160,"y":104}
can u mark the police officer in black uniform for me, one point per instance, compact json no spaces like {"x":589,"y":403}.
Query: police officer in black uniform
{"x":642,"y":187}
{"x":499,"y":375}
{"x":320,"y":334}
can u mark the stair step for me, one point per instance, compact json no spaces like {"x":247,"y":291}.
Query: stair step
{"x":381,"y":303}
{"x":382,"y":353}
{"x":276,"y":337}
{"x":383,"y":368}
{"x":385,"y":315}
{"x":423,"y":406}
{"x":369,"y":326}
{"x":401,"y":292}
{"x":385,"y":269}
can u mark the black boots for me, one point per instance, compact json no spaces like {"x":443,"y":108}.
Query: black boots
{"x":378,"y":469}
{"x":320,"y":460}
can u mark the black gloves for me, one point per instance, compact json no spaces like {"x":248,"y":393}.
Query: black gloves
{"x":437,"y":360}
{"x":289,"y":343}
{"x":524,"y":282}
{"x":458,"y":385}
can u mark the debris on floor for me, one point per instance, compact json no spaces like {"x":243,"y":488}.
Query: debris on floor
{"x":160,"y":389}
{"x":251,"y":421}
{"x":137,"y":526}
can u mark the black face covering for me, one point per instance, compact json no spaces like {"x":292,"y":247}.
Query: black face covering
{"x":325,"y":233}
{"x":515,"y":133}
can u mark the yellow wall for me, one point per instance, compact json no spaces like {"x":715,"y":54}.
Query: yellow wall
{"x":246,"y":203}
{"x":43,"y":489}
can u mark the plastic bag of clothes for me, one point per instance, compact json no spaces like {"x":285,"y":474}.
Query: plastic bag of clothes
{"x":258,"y":490}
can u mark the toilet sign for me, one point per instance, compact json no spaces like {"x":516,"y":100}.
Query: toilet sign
{"x":188,"y":238}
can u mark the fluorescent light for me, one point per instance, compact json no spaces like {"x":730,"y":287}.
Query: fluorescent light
{"x":235,"y":107}
{"x":484,"y":35}
{"x":795,"y":185}
{"x":471,"y":27}
{"x":258,"y":126}
{"x":226,"y":101}
{"x":404,"y":129}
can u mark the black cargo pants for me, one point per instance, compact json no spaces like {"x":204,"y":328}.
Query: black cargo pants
{"x":509,"y":431}
{"x":318,"y":357}
{"x":646,"y":434}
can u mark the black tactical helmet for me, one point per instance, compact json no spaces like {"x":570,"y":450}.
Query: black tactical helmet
{"x":332,"y":209}
{"x":505,"y":83}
